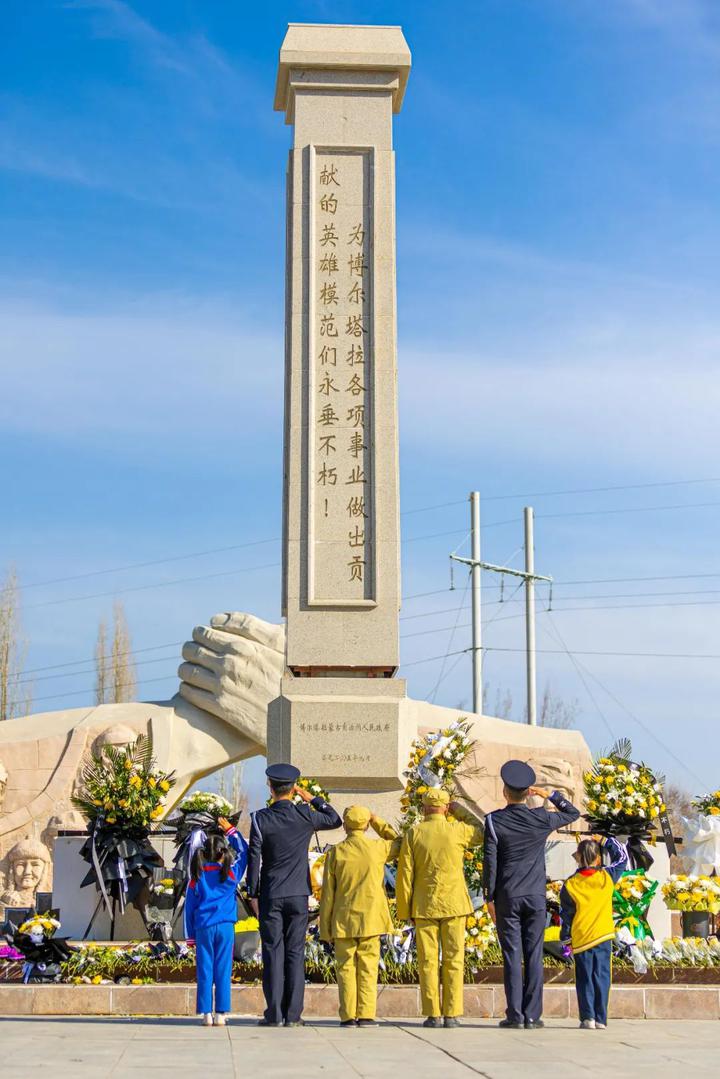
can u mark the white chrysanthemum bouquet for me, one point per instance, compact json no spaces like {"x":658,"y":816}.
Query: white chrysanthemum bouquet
{"x":206,"y":802}
{"x":435,"y":760}
{"x":692,"y":892}
{"x":620,"y":795}
{"x":480,"y":933}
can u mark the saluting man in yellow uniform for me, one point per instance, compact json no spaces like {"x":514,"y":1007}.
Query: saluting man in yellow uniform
{"x":431,"y":890}
{"x":354,"y":911}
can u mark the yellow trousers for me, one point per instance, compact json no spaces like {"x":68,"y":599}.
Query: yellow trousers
{"x":356,"y":964}
{"x":431,"y":935}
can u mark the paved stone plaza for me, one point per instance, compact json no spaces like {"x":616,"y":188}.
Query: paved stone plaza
{"x":179,"y":1047}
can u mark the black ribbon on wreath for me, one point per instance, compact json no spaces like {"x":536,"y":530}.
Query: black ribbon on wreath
{"x":43,"y":959}
{"x":122,"y":861}
{"x":191,"y":831}
{"x":637,"y":829}
{"x":638,"y":833}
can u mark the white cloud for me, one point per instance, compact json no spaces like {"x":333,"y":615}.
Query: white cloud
{"x":610,"y":402}
{"x":171,"y":367}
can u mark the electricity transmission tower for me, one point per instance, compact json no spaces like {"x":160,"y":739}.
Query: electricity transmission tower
{"x":529,"y":576}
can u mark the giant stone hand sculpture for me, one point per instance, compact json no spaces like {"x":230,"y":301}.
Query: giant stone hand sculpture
{"x":233,"y":669}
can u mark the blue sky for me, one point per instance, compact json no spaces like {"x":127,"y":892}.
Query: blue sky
{"x":558,"y":266}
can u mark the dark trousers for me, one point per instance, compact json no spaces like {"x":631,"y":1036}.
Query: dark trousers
{"x":592,"y":981}
{"x":283,"y":926}
{"x":521,"y":929}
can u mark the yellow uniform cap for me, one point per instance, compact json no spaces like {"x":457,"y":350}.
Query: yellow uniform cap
{"x":436,"y":796}
{"x":356,"y":817}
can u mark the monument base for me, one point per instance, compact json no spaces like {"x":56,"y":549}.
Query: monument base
{"x":351,"y":734}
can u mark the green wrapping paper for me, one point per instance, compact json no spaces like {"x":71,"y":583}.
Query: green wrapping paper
{"x":632,"y":912}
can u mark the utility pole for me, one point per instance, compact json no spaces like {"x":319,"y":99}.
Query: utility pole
{"x":529,"y":576}
{"x":476,"y":572}
{"x":530,"y":617}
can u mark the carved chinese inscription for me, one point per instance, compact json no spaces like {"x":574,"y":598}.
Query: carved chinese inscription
{"x":341,"y":504}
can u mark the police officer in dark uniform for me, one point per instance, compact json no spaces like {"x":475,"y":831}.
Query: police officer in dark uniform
{"x":514,"y":881}
{"x":278,"y":882}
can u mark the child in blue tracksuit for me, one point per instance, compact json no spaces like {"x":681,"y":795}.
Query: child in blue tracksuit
{"x":586,"y":909}
{"x":210,"y":916}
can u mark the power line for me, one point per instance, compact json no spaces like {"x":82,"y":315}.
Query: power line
{"x":630,"y":580}
{"x":634,"y":655}
{"x":580,"y":675}
{"x":649,"y":730}
{"x":431,"y":659}
{"x":431,"y":696}
{"x":587,"y":580}
{"x":142,"y":565}
{"x":634,"y":717}
{"x":438,"y":506}
{"x":598,"y":490}
{"x":85,"y":692}
{"x":616,"y":595}
{"x":626,"y":509}
{"x":146,"y":587}
{"x":422,"y":595}
{"x":79,"y":662}
{"x":573,"y":491}
{"x":635,"y":606}
{"x":74,"y":674}
{"x":569,"y":610}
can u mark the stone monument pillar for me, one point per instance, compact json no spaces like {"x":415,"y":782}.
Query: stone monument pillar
{"x":340,"y":715}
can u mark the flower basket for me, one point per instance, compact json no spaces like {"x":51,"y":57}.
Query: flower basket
{"x":624,"y":798}
{"x":692,"y":893}
{"x":197,"y":818}
{"x":435,"y":760}
{"x":121,"y":795}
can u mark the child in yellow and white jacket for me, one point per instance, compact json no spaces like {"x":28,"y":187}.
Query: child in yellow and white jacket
{"x":587,"y":923}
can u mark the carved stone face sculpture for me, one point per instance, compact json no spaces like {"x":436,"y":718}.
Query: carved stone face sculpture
{"x":27,"y":861}
{"x":118,"y":735}
{"x":558,"y":775}
{"x":27,"y":873}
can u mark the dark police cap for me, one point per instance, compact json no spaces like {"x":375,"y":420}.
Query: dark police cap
{"x":282,"y":773}
{"x":518,"y":775}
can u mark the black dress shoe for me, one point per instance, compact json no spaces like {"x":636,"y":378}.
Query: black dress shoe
{"x":368,"y":1023}
{"x":267,"y":1023}
{"x":510,"y":1024}
{"x":534,"y":1024}
{"x":348,"y":1022}
{"x":433,"y":1021}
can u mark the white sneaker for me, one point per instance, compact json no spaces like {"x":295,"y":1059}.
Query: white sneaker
{"x":220,"y":1020}
{"x":207,"y":1019}
{"x":587,"y":1024}
{"x":600,"y":1026}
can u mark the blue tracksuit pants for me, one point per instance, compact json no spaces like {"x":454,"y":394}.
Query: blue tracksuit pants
{"x":592,"y":981}
{"x":214,"y":958}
